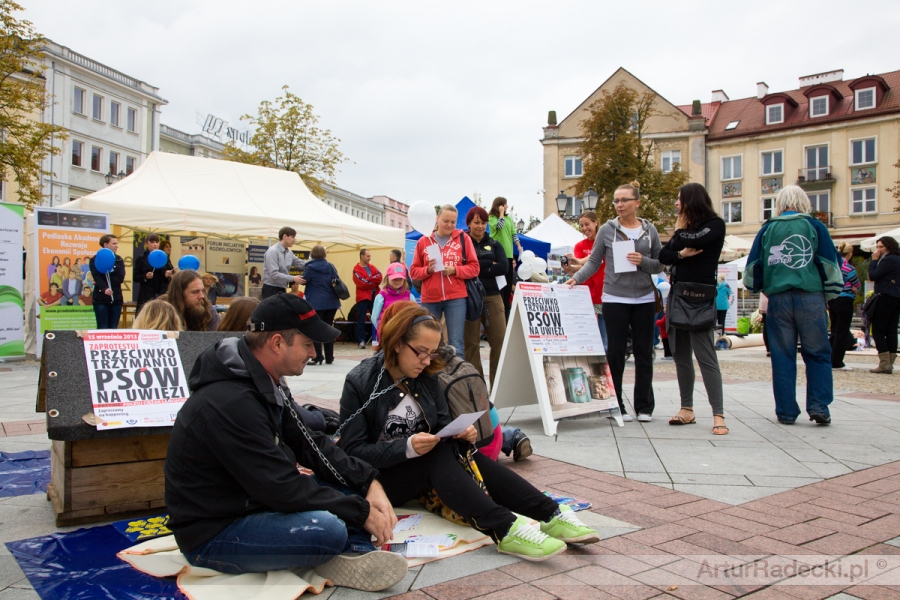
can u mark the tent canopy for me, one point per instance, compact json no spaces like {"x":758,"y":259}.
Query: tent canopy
{"x":869,"y":244}
{"x":187,"y":195}
{"x":561,"y":236}
{"x":735,"y":247}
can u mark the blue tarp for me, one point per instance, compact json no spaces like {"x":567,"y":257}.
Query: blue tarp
{"x":24,"y":473}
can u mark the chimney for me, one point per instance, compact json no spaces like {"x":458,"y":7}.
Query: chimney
{"x":761,"y":90}
{"x":719,"y":96}
{"x":696,"y":109}
{"x":551,"y":118}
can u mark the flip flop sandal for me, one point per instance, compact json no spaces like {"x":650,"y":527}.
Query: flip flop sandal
{"x":715,"y":427}
{"x":677,"y":420}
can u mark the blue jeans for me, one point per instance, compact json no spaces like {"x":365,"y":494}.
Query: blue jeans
{"x":454,"y":312}
{"x":602,"y":325}
{"x":509,"y":436}
{"x":362,"y":307}
{"x":791,"y":315}
{"x":107,"y":315}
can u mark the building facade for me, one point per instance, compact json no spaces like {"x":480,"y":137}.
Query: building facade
{"x":353,"y":204}
{"x":112,"y":121}
{"x":178,"y":142}
{"x":395,"y":213}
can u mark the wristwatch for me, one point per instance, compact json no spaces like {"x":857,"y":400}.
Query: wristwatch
{"x":680,"y":256}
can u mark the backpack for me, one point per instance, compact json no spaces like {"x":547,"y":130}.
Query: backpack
{"x":466,"y":392}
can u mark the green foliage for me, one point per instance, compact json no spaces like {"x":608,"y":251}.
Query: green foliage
{"x":895,"y":191}
{"x":25,"y":141}
{"x":287,"y":137}
{"x":616,"y":151}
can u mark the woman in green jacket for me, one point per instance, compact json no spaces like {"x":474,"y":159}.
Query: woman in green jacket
{"x":504,"y":231}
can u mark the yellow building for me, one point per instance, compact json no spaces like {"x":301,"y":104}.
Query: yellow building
{"x":837,"y":139}
{"x":678,"y":134}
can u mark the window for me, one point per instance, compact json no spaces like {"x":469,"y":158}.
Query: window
{"x":97,"y":107}
{"x":818,"y":107}
{"x":129,"y":165}
{"x":731,"y":212}
{"x":820,"y":202}
{"x":773,"y":162}
{"x":865,"y":98}
{"x":732,"y":125}
{"x":132,"y":120}
{"x":96,"y":155}
{"x":77,"y":154}
{"x":114,"y":108}
{"x":731,"y":167}
{"x":862,"y":200}
{"x":669,"y":158}
{"x":573,"y":166}
{"x":817,"y":167}
{"x":774,"y":114}
{"x":862,"y":151}
{"x":768,"y":205}
{"x":78,"y":101}
{"x":114,"y":163}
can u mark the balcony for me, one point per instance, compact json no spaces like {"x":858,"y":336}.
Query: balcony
{"x":825,"y":217}
{"x":815,"y":178}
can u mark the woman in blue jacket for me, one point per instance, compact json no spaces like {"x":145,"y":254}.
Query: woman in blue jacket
{"x":723,"y":301}
{"x":319,"y":273}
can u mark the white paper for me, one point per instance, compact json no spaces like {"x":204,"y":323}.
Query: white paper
{"x":459,"y":424}
{"x":406,"y":523}
{"x":434,"y":252}
{"x":443,"y":541}
{"x":501,"y":281}
{"x":419,"y":550}
{"x":620,"y":256}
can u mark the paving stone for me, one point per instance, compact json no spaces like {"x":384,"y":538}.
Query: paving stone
{"x":741,"y":513}
{"x":520,"y":592}
{"x":839,"y":544}
{"x":805,"y":591}
{"x":600,"y":576}
{"x":881,"y":529}
{"x":717,"y":529}
{"x":720,"y":544}
{"x":872,"y":592}
{"x":799,"y":534}
{"x":753,"y":527}
{"x":565,"y":587}
{"x":526,"y":571}
{"x":632,"y":592}
{"x":478,"y":561}
{"x":658,"y":535}
{"x":700,"y":507}
{"x":863,"y":509}
{"x":831,"y":514}
{"x":729,"y":494}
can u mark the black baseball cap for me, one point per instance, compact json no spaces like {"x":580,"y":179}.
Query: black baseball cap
{"x":287,"y":311}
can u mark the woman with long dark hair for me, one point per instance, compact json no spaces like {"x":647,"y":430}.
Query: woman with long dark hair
{"x":693,"y":251}
{"x":884,"y":270}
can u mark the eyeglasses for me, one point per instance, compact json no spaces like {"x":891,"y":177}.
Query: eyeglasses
{"x":623,"y":200}
{"x":423,"y":355}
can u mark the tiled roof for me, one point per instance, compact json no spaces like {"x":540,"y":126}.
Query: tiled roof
{"x":708,"y":110}
{"x":752,"y":113}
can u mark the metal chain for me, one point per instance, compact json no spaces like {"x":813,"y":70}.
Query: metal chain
{"x":375,"y":394}
{"x":305,"y":432}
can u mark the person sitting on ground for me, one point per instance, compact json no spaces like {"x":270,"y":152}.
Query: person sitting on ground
{"x":158,"y":314}
{"x":238,"y":314}
{"x":391,"y":408}
{"x":51,"y":297}
{"x":187,"y":296}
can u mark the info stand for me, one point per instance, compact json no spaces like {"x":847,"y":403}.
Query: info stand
{"x":552,"y":335}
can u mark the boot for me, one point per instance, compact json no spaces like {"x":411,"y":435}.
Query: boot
{"x":893,"y":358}
{"x":884,"y":364}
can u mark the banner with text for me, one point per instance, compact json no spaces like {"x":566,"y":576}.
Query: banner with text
{"x":12,"y":304}
{"x":136,"y":378}
{"x":560,"y":320}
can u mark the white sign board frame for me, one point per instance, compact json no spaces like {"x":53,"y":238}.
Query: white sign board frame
{"x":521,"y":347}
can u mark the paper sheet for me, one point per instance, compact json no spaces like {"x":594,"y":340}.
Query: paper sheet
{"x":620,"y":256}
{"x":406,"y":523}
{"x":501,"y":281}
{"x":459,"y":424}
{"x":434,"y":252}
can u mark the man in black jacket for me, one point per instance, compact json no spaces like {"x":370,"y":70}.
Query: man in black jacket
{"x":152,"y":283}
{"x":236,"y":499}
{"x":107,"y":297}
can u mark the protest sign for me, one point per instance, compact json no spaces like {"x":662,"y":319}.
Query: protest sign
{"x":136,"y":378}
{"x":560,"y":320}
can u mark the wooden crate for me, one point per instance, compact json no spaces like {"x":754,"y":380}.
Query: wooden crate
{"x":101,"y":479}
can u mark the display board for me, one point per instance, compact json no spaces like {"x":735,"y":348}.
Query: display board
{"x":552,"y":332}
{"x":731,"y":278}
{"x":12,"y":274}
{"x":256,"y":257}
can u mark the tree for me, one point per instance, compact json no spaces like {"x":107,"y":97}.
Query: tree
{"x":617,"y":151}
{"x":24,"y":140}
{"x":895,"y":191}
{"x":287,"y":137}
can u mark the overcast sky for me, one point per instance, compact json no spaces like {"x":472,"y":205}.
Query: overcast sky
{"x":437,"y":100}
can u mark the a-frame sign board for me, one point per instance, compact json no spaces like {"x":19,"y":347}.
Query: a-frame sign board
{"x":552,"y":335}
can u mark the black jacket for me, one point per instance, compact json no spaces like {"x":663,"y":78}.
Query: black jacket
{"x":234,"y":450}
{"x":886,"y":274}
{"x":702,"y":268}
{"x":360,"y":436}
{"x":150,"y":288}
{"x":493,"y":262}
{"x":116,"y":278}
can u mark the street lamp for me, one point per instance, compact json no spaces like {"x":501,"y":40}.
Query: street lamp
{"x":109,"y":177}
{"x":589,"y":200}
{"x":562,"y":201}
{"x":121,"y":176}
{"x":520,"y":226}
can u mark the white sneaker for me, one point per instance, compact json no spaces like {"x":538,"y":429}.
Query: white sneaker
{"x":627,"y":418}
{"x":644,"y":418}
{"x":371,"y":572}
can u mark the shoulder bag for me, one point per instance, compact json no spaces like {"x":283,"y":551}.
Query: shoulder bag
{"x":475,"y":292}
{"x":339,"y":288}
{"x":692,"y":306}
{"x":868,"y":308}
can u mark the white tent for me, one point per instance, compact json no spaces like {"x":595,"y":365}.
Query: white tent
{"x":735,"y":247}
{"x":869,"y":244}
{"x":187,"y":195}
{"x":561,"y":236}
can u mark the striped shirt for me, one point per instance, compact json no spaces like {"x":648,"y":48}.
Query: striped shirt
{"x":851,"y":283}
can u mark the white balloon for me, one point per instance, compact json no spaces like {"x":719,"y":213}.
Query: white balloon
{"x":664,"y":287}
{"x":539,"y":265}
{"x":525,"y":272}
{"x":422,"y":217}
{"x":526,"y":257}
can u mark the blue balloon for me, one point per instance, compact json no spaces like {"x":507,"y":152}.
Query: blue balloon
{"x":158,"y":259}
{"x":189,"y":263}
{"x":105,"y":260}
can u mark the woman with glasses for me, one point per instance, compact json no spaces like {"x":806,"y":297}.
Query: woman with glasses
{"x":392,"y":407}
{"x":629,"y":296}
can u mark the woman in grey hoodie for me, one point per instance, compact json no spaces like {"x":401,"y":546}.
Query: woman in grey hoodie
{"x":629,"y":298}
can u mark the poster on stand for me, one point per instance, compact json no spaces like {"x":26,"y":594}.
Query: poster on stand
{"x":12,"y":275}
{"x":194,"y":246}
{"x":553,"y":333}
{"x":731,"y":279}
{"x":256,"y":256}
{"x":226,"y":259}
{"x":64,"y":241}
{"x":136,"y":378}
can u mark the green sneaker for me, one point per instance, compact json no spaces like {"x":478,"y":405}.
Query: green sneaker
{"x":569,"y":528}
{"x":527,"y":542}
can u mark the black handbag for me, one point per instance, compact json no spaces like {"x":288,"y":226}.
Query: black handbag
{"x":339,"y":288}
{"x":868,"y":308}
{"x":692,"y":306}
{"x":475,"y":292}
